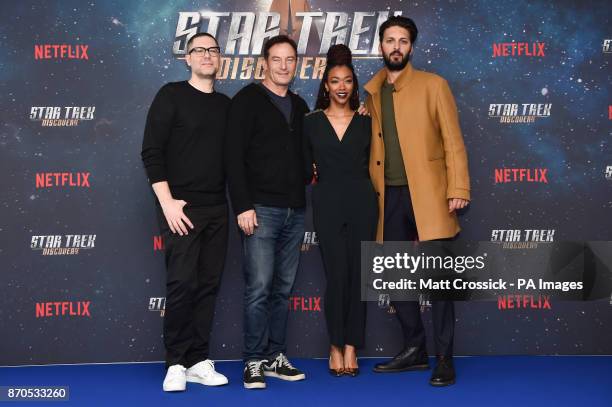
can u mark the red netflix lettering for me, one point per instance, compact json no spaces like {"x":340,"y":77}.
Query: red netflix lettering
{"x":505,"y":302}
{"x":62,"y":179}
{"x":158,"y":243}
{"x":63,"y":308}
{"x":61,"y":51}
{"x":504,"y":175}
{"x":506,"y":49}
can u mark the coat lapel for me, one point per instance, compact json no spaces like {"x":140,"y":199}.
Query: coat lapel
{"x":374,"y":85}
{"x":373,"y":88}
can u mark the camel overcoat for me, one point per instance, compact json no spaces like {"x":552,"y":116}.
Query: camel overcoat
{"x":432,"y":149}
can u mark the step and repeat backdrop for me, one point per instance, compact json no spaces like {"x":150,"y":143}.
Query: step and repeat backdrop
{"x":81,"y":257}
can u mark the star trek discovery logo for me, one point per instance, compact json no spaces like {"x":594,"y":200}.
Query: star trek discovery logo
{"x":241,"y":35}
{"x":62,"y":245}
{"x":310,"y":239}
{"x":158,"y":304}
{"x":61,"y":116}
{"x":384,"y":302}
{"x":519,"y":112}
{"x":522,"y":238}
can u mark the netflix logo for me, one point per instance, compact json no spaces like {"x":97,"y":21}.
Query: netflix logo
{"x":305,"y":304}
{"x":60,"y":51}
{"x":158,"y":243}
{"x":504,"y":175}
{"x":62,"y":179}
{"x":63,"y":309}
{"x":518,"y":49}
{"x":506,"y":302}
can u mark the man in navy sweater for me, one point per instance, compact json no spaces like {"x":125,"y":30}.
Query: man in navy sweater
{"x":266,"y":184}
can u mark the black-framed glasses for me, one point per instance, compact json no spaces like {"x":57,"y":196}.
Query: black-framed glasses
{"x":201,"y":51}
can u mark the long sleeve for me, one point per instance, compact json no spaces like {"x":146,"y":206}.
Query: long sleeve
{"x":240,"y":125}
{"x":157,"y":132}
{"x":455,"y":154}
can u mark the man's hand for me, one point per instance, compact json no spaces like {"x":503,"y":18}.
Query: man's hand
{"x":176,"y":218}
{"x":363,"y":110}
{"x":457,"y":203}
{"x":247,"y":221}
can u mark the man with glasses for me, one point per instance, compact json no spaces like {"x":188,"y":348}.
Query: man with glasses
{"x":182,"y":153}
{"x":266,"y":184}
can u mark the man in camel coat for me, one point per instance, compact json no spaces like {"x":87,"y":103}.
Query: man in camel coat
{"x":419,"y":169}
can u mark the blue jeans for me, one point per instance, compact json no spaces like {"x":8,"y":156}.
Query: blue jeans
{"x":271,"y":256}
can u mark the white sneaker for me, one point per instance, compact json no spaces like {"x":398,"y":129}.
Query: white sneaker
{"x":175,"y":379}
{"x":204,"y":373}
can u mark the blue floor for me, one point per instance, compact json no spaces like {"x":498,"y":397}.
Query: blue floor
{"x":486,"y":380}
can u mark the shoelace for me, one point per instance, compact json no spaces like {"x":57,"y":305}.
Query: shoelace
{"x":283,"y":361}
{"x":255,"y":368}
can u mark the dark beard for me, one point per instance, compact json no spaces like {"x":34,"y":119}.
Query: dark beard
{"x":396,"y":66}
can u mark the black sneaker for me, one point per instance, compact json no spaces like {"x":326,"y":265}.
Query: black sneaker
{"x":254,"y":375}
{"x":281,"y":368}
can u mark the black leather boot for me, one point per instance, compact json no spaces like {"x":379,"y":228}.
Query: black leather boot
{"x":414,"y":358}
{"x":444,"y":373}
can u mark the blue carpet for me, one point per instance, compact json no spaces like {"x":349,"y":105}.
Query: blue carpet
{"x":494,"y":381}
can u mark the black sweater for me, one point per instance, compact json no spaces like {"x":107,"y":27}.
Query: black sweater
{"x":263,"y":152}
{"x":183,"y":143}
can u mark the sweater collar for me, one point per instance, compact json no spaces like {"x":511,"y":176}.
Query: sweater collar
{"x":262,"y":88}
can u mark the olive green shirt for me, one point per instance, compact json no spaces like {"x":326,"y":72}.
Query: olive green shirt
{"x":395,"y":173}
